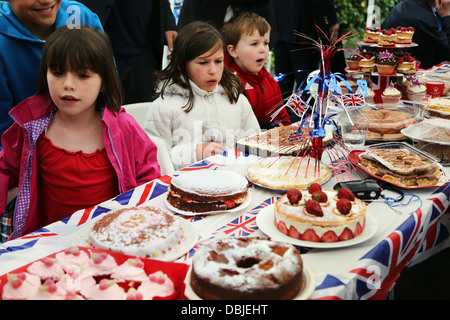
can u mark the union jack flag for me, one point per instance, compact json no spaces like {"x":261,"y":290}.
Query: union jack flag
{"x":240,"y":227}
{"x":295,"y":137}
{"x":297,"y":105}
{"x":353,"y":100}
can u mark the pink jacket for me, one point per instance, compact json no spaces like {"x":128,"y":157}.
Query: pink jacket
{"x":130,"y":150}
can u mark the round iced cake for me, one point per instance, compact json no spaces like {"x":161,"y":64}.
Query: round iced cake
{"x":207,"y":190}
{"x":245,"y":268}
{"x":295,"y":221}
{"x":284,"y":173}
{"x":140,"y":231}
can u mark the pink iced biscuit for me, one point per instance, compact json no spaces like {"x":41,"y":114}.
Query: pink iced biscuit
{"x":72,"y":256}
{"x":157,"y":284}
{"x":49,"y":291}
{"x":106,"y":290}
{"x":20,"y":286}
{"x":46,"y":268}
{"x":130,"y":270}
{"x":100,"y":264}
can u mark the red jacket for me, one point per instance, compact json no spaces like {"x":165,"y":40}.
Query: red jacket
{"x":263,"y":93}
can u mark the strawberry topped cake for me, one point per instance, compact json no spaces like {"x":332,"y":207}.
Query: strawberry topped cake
{"x":404,"y":35}
{"x":388,"y":37}
{"x":320,"y":215}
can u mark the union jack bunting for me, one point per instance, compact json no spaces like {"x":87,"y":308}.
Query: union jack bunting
{"x":297,"y":105}
{"x":353,"y":100}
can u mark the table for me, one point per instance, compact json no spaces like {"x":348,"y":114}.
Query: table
{"x":367,"y":270}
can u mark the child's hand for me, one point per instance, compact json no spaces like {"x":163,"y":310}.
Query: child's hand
{"x":207,"y":149}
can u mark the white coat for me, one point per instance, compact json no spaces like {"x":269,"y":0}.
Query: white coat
{"x":212,"y":118}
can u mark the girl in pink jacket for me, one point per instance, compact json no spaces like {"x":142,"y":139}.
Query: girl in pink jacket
{"x":72,"y":146}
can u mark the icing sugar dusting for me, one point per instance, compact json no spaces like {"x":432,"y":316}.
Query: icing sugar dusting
{"x":211,"y":182}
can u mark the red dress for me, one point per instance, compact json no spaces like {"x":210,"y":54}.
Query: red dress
{"x":70,"y":181}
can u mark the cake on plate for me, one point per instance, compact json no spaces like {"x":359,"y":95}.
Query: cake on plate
{"x":406,"y":64}
{"x":285,"y":140}
{"x":246,"y":268}
{"x":367,"y":63}
{"x":320,"y":215}
{"x":284,"y":173}
{"x":371,"y":34}
{"x":388,"y":37}
{"x":207,"y":190}
{"x":140,"y":231}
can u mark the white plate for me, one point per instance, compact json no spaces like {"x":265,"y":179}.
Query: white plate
{"x":81,"y":238}
{"x":244,"y":204}
{"x":265,"y":222}
{"x":303,"y":294}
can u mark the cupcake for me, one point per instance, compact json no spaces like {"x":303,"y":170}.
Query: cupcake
{"x":71,"y":256}
{"x":46,"y":268}
{"x":416,"y":91}
{"x":353,"y":62}
{"x":367,"y":63}
{"x":106,"y":289}
{"x":20,"y":286}
{"x":49,"y":291}
{"x":391,"y":95}
{"x":157,"y":284}
{"x":385,"y":62}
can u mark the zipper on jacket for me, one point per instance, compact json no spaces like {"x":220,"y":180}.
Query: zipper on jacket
{"x":262,"y":88}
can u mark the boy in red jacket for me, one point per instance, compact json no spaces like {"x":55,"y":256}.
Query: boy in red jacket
{"x":247,"y":39}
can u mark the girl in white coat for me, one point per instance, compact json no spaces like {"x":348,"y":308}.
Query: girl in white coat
{"x":200,"y":108}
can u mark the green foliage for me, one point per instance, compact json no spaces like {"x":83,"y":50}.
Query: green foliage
{"x":352,"y":15}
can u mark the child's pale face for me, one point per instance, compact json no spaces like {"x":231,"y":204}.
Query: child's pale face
{"x":251,"y":52}
{"x":35,"y":14}
{"x":206,"y":70}
{"x":74,"y":93}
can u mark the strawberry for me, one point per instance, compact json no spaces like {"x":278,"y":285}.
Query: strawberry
{"x":393,"y":31}
{"x":329,"y":236}
{"x":344,"y":206}
{"x":313,"y":188}
{"x":411,"y":29}
{"x":310,"y":235}
{"x":358,"y":230}
{"x":229,"y":203}
{"x":346,"y":234}
{"x":294,"y":196}
{"x":293,"y":232}
{"x":410,"y":59}
{"x":282,"y":227}
{"x":320,"y":196}
{"x":345,"y":193}
{"x":313,"y":207}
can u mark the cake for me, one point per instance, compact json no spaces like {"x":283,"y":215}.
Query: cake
{"x":391,"y":95}
{"x":284,"y":140}
{"x":438,"y":107}
{"x":353,"y":62}
{"x":416,"y":91}
{"x":49,"y":291}
{"x":385,"y":62}
{"x":386,"y":123}
{"x":284,"y":173}
{"x":404,"y":35}
{"x":320,"y":215}
{"x":20,"y":286}
{"x":156,"y":284}
{"x":371,"y":34}
{"x":106,"y":289}
{"x":71,"y":257}
{"x":388,"y":37}
{"x":148,"y":232}
{"x":401,"y":167}
{"x":367,"y":63}
{"x":406,"y":64}
{"x":207,"y":190}
{"x":46,"y":268}
{"x":246,"y":268}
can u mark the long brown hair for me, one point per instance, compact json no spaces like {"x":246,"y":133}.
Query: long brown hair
{"x":193,"y":40}
{"x":82,"y":49}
